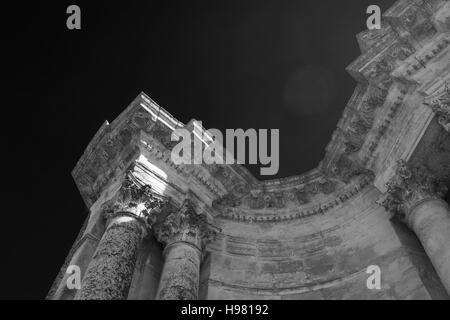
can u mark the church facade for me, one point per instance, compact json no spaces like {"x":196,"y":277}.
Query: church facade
{"x":158,"y":230}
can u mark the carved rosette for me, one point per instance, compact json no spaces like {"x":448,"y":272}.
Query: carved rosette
{"x":441,"y":107}
{"x":186,"y":225}
{"x":409,"y":187}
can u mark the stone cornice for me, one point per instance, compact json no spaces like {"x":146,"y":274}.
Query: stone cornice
{"x":286,"y":205}
{"x":106,"y":157}
{"x":425,"y":56}
{"x":379,"y":95}
{"x":159,"y":152}
{"x":384,"y":51}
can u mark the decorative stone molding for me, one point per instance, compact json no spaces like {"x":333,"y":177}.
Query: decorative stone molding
{"x":421,"y":61}
{"x":395,"y":60}
{"x":198,"y":173}
{"x":364,"y":123}
{"x":136,"y":200}
{"x":441,"y":107}
{"x":261,"y":199}
{"x":116,"y":145}
{"x":380,"y":130}
{"x":186,"y":225}
{"x":354,"y":132}
{"x":108,"y":157}
{"x":346,"y":169}
{"x":246,"y":216}
{"x":405,"y":25}
{"x":409,"y":187}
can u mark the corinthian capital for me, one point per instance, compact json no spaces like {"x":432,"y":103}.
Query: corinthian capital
{"x":441,"y":107}
{"x":135,"y":199}
{"x":186,"y":225}
{"x":409,"y":187}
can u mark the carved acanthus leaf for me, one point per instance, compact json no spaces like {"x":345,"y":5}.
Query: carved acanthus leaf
{"x":186,"y":225}
{"x":441,"y":107}
{"x":409,"y":186}
{"x":135,"y":199}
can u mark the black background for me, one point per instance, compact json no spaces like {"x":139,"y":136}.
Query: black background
{"x":231,"y":64}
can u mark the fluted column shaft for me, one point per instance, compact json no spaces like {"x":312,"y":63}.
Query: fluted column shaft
{"x":430,"y":220}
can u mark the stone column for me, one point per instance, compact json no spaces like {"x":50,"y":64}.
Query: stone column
{"x":129,"y":214}
{"x":416,"y":196}
{"x":184,"y":235}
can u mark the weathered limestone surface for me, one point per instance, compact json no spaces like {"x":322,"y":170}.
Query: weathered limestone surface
{"x":430,"y":220}
{"x":147,"y":271}
{"x":110,"y":273}
{"x":129,"y":213}
{"x":184,"y":234}
{"x":80,"y":255}
{"x":416,"y":195}
{"x":323,"y":257}
{"x":180,"y":277}
{"x":312,"y":236}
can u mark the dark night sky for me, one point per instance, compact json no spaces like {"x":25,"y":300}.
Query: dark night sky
{"x":232,"y":64}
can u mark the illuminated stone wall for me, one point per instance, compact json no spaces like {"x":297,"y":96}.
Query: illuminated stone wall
{"x":216,"y":232}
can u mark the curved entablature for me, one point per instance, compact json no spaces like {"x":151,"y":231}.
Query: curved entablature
{"x":385,"y":75}
{"x":145,"y":129}
{"x":308,"y":236}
